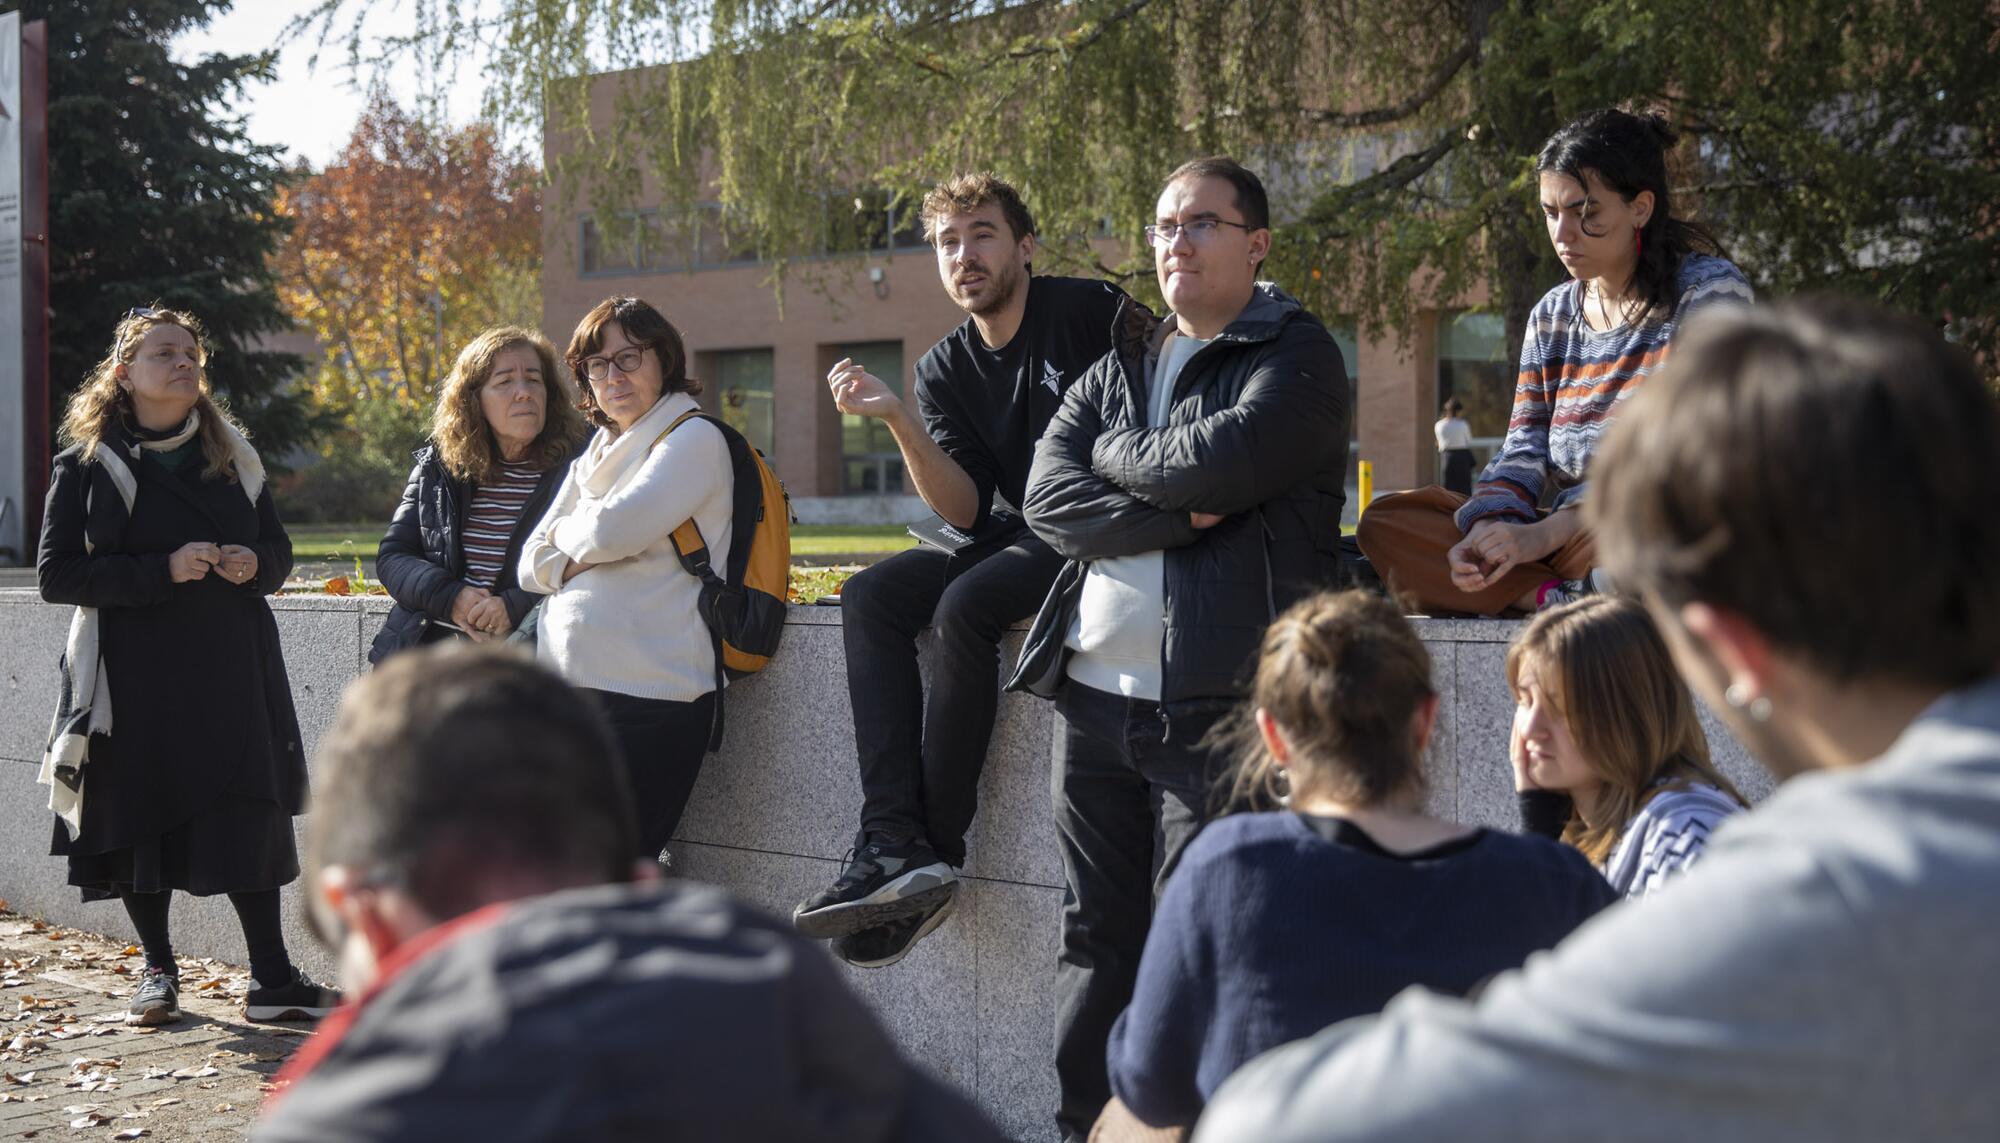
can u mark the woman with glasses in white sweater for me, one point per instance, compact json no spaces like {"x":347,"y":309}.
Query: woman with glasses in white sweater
{"x":622,"y":619}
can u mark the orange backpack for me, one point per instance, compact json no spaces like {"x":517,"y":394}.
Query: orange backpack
{"x":744,"y":604}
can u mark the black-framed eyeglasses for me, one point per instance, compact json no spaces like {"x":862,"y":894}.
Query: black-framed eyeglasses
{"x":627,"y":360}
{"x":1198,"y":230}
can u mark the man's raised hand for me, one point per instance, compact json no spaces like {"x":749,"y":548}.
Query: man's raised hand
{"x":857,"y":391}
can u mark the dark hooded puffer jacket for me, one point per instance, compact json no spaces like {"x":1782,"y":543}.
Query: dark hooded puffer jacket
{"x":1257,"y":433}
{"x":422,"y":556}
{"x":655,"y":1013}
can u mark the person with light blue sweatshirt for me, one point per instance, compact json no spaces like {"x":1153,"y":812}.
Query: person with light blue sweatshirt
{"x":1826,"y":972}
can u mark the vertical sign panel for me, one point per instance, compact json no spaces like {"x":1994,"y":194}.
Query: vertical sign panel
{"x":13,"y":432}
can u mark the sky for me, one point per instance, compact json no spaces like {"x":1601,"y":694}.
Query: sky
{"x":312,"y":109}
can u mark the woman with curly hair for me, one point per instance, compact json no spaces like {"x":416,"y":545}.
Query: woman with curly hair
{"x":502,"y":438}
{"x":161,"y":530}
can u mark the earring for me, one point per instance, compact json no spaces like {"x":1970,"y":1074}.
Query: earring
{"x":1738,"y":696}
{"x":1638,"y":240}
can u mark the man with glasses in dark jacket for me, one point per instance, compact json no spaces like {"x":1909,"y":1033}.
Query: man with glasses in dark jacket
{"x":1194,"y":478}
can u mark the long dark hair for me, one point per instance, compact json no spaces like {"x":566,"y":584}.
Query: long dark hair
{"x":1628,"y":153}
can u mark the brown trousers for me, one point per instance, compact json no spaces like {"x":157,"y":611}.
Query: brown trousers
{"x":1406,"y":535}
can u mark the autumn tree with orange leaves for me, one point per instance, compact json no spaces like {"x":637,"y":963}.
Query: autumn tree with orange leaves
{"x":413,"y":240}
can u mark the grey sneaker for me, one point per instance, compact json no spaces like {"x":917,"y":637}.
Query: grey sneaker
{"x":884,"y":945}
{"x":883,"y":882}
{"x":300,"y":999}
{"x":158,"y":1000}
{"x":1557,"y":592}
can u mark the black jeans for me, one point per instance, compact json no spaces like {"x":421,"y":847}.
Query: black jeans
{"x":920,"y":760}
{"x":662,"y":743}
{"x":1129,"y":796}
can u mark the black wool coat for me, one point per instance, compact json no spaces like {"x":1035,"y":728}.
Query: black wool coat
{"x":422,"y":556}
{"x":201,"y":705}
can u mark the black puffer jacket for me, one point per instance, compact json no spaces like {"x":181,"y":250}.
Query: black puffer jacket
{"x":1257,"y":433}
{"x":422,"y":556}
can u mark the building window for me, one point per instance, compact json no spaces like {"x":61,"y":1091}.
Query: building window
{"x":1473,"y":366}
{"x":870,"y":462}
{"x":608,"y":249}
{"x":743,"y":390}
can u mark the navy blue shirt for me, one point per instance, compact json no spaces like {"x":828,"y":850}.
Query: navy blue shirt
{"x":1277,"y":925}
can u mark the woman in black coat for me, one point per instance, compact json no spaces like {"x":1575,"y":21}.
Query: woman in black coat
{"x":505,"y":430}
{"x":160,"y":530}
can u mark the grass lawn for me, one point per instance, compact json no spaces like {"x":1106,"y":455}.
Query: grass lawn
{"x":346,"y":541}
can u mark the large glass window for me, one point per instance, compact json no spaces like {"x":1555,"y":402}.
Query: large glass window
{"x":870,"y":462}
{"x":743,"y":389}
{"x":1474,"y":366}
{"x":608,"y":248}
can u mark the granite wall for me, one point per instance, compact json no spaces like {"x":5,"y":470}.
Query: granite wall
{"x":775,"y":812}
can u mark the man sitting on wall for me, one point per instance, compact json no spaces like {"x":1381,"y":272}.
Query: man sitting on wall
{"x":984,"y":394}
{"x":517,"y":977}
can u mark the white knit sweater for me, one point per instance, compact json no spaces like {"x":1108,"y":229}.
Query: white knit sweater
{"x":631,"y":625}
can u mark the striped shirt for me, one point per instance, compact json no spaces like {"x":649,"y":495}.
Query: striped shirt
{"x":1571,"y":383}
{"x":489,"y":524}
{"x":1665,"y":837}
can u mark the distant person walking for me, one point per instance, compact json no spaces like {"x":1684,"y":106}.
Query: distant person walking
{"x":175,"y":760}
{"x":1454,"y":441}
{"x":623,"y":617}
{"x":1639,"y":273}
{"x":502,"y":436}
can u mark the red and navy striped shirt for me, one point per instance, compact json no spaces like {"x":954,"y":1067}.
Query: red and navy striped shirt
{"x":489,"y":523}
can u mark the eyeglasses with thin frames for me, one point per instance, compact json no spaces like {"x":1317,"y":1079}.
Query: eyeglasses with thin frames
{"x":627,"y":360}
{"x":1198,"y":230}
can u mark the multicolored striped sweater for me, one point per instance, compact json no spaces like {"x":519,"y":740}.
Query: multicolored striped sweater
{"x":1572,"y":381}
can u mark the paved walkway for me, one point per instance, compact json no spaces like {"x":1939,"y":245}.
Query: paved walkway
{"x":70,"y":1068}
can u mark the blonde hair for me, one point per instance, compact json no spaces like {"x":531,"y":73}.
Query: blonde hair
{"x":101,"y":400}
{"x":465,"y":442}
{"x":1344,"y":675}
{"x":1605,"y":670}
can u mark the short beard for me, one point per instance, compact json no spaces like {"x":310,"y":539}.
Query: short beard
{"x":1005,"y":285}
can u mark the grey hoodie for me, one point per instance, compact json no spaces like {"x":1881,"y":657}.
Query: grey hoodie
{"x":1829,"y":972}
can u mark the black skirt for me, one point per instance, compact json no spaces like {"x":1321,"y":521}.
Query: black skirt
{"x":234,"y":845}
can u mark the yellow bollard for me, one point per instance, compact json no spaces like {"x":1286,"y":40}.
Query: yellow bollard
{"x":1367,"y":481}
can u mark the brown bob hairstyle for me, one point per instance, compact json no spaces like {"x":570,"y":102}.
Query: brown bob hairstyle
{"x":1344,"y":675}
{"x":465,"y":442}
{"x":643,"y":325}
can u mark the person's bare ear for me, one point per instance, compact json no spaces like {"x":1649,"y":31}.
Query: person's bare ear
{"x":1027,"y":248}
{"x":1274,"y":738}
{"x":1260,"y":246}
{"x":1739,"y":649}
{"x":1423,"y":722}
{"x":359,"y":909}
{"x":1642,"y":208}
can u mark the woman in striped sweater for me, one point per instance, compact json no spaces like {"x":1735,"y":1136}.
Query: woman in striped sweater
{"x":1607,"y":752}
{"x":1637,"y":274}
{"x":503,"y":435}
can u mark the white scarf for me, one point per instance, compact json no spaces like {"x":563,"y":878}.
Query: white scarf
{"x":84,"y":707}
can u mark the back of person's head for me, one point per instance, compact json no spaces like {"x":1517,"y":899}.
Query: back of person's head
{"x":1628,"y":154}
{"x":1601,"y":663}
{"x":1454,"y":407}
{"x":1821,"y":470}
{"x":462,"y":776}
{"x":1345,"y":677}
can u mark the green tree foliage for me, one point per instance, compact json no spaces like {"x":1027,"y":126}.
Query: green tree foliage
{"x":1834,"y":144}
{"x":156,"y":195}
